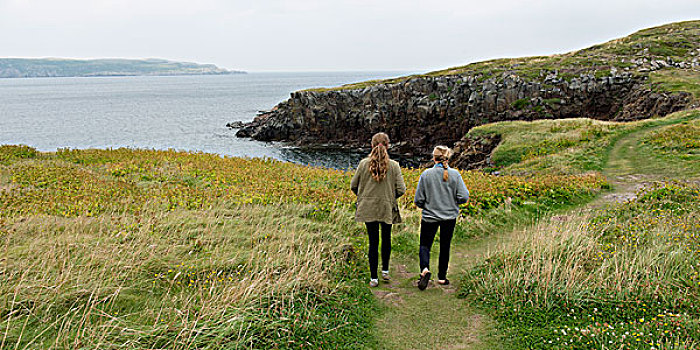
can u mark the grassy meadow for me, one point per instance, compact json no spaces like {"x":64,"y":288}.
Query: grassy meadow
{"x":622,"y":276}
{"x":145,"y":249}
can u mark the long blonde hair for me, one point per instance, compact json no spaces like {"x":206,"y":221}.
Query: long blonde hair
{"x":442,"y":154}
{"x":379,"y":157}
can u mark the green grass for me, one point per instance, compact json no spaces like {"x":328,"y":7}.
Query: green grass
{"x":567,"y":146}
{"x":92,"y":182}
{"x":675,"y":80}
{"x":569,"y":280}
{"x":629,"y":270}
{"x":434,"y":320}
{"x":127,"y":248}
{"x":625,"y":276}
{"x":161,"y":249}
{"x":9,"y":153}
{"x":681,"y":140}
{"x":549,"y":144}
{"x":228,"y":277}
{"x":665,"y":149}
{"x":521,"y":103}
{"x":462,"y":325}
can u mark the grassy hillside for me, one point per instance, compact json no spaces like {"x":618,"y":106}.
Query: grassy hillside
{"x":623,"y":276}
{"x":674,"y":80}
{"x":677,"y":42}
{"x":573,"y":146}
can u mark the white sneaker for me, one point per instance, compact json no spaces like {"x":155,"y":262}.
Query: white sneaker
{"x":373,"y":282}
{"x":385,"y":275}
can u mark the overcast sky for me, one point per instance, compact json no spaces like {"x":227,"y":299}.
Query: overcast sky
{"x":323,"y":35}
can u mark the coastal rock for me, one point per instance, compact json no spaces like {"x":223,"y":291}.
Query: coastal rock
{"x":235,"y":125}
{"x":474,"y":152}
{"x":424,"y":111}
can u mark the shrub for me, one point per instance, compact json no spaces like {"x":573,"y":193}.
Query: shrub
{"x":521,"y":103}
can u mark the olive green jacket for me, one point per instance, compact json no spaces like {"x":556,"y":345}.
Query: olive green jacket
{"x":376,"y":201}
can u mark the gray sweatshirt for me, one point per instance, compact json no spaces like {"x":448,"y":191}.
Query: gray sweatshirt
{"x":439,"y":199}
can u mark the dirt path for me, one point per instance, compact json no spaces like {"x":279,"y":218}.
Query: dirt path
{"x":621,"y":171}
{"x":629,"y":170}
{"x":436,"y":318}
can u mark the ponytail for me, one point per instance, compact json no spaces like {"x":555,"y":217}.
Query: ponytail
{"x":442,"y":154}
{"x":379,"y":157}
{"x":445,"y":174}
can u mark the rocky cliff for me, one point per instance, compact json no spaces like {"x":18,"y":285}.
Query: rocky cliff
{"x":609,"y":82}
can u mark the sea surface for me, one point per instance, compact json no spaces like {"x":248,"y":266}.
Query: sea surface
{"x":181,"y":112}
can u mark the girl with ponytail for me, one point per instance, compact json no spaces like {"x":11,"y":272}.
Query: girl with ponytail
{"x":378,"y":183}
{"x":440,"y":192}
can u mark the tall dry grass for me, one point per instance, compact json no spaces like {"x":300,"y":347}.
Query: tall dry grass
{"x":566,"y":259}
{"x":626,"y":277}
{"x":176,"y":280}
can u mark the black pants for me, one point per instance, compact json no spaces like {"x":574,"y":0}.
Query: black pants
{"x":372,"y":254}
{"x":427,"y":236}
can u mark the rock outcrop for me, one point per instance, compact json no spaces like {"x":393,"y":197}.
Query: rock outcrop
{"x":638,"y":76}
{"x":421,"y":112}
{"x":474,"y":152}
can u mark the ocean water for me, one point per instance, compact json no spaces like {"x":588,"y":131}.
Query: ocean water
{"x":181,"y":112}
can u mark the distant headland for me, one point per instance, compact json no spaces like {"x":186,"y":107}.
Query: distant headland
{"x":59,"y":67}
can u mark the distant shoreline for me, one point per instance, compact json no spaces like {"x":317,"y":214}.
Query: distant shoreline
{"x":75,"y":68}
{"x":126,"y":75}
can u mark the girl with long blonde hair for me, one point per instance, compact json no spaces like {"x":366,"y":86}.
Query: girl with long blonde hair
{"x":440,"y":192}
{"x":378,"y":182}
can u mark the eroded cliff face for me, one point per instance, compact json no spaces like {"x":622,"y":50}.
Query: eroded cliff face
{"x":422,"y":112}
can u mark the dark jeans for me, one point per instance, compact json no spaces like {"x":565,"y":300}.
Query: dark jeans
{"x":427,"y":236}
{"x":373,"y":233}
